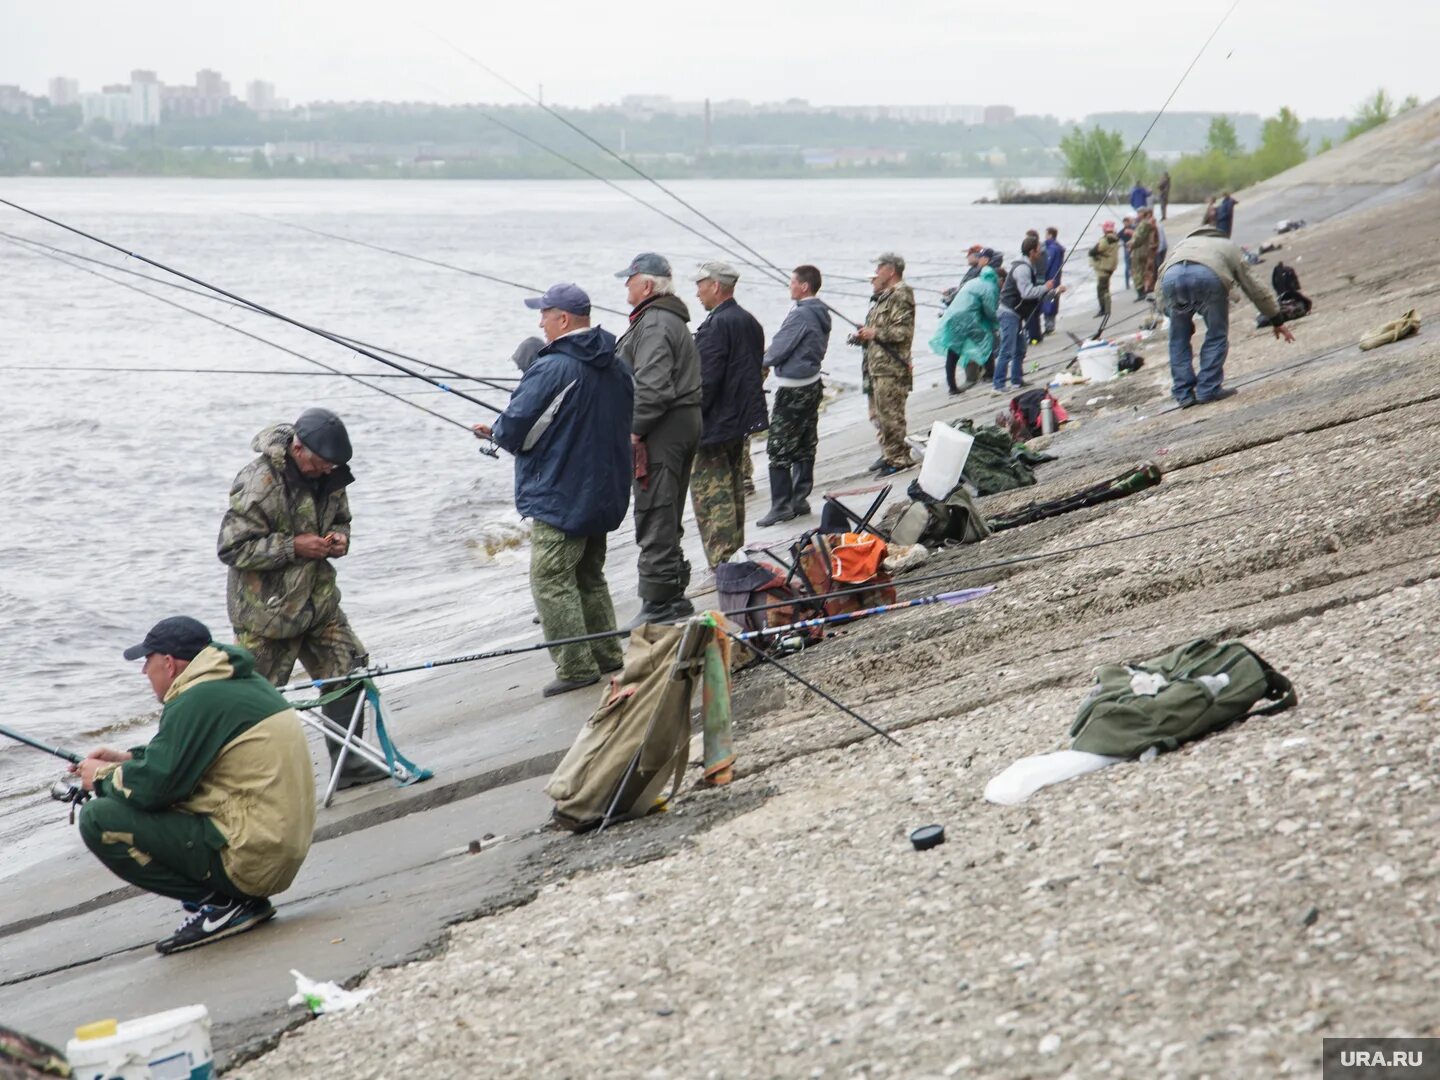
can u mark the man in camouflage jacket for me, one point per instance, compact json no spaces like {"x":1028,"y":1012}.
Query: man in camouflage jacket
{"x":288,"y":517}
{"x":886,"y":337}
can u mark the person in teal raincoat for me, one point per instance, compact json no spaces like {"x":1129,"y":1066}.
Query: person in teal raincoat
{"x":966,"y":334}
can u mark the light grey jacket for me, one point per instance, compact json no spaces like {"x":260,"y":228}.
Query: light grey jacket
{"x":662,"y":354}
{"x":1215,"y":251}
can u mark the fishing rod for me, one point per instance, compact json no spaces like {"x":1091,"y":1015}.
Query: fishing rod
{"x":65,"y":755}
{"x":253,"y":336}
{"x":191,"y":371}
{"x":258,"y":307}
{"x":67,"y":789}
{"x":960,"y":596}
{"x":497,"y":383}
{"x":1136,"y":149}
{"x":533,"y":290}
{"x":1174,"y":407}
{"x":604,"y":635}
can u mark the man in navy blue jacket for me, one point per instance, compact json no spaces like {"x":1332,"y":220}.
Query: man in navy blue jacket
{"x":568,"y":425}
{"x":732,"y":406}
{"x":1054,"y":268}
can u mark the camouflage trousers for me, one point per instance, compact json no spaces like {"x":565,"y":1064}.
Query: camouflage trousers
{"x":1142,"y":269}
{"x":717,"y":492}
{"x":1102,"y":292}
{"x":747,"y":468}
{"x":324,"y":651}
{"x":794,"y":424}
{"x":887,"y":411}
{"x":567,"y":580}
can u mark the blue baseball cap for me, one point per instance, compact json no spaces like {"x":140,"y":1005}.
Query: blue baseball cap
{"x":179,"y":636}
{"x":563,"y":297}
{"x":647,"y":262}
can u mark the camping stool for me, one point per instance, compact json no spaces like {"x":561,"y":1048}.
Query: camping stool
{"x":401,"y":770}
{"x":862,"y":522}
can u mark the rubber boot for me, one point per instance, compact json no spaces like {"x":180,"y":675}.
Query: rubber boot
{"x":802,"y":479}
{"x":357,"y":770}
{"x":780,"y":508}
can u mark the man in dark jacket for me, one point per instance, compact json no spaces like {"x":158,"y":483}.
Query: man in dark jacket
{"x":1139,"y":196}
{"x":1024,"y":290}
{"x":732,"y":405}
{"x":795,"y":356}
{"x":665,"y":432}
{"x":216,"y":810}
{"x":289,"y":516}
{"x":1225,"y":214}
{"x":568,"y":426}
{"x":1054,"y":268}
{"x":1162,"y":195}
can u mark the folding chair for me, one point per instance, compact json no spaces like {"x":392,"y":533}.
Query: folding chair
{"x":386,"y":756}
{"x":862,"y":523}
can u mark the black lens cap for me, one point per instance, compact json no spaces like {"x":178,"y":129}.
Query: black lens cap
{"x":928,"y":836}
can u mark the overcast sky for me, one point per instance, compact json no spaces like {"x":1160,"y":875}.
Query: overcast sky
{"x":1042,"y":56}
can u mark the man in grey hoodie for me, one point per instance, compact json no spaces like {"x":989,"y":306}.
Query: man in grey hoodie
{"x":795,"y":356}
{"x":665,"y":432}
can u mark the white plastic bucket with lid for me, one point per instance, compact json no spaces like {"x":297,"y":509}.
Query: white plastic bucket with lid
{"x":1099,"y":361}
{"x":945,"y":456}
{"x":173,"y":1045}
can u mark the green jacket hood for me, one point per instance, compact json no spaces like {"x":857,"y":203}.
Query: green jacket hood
{"x":212,"y":663}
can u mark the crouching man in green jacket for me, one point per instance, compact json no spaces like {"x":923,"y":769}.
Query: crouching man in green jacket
{"x":217,"y":810}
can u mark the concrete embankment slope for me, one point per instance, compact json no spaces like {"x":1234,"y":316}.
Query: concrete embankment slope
{"x":1218,"y":911}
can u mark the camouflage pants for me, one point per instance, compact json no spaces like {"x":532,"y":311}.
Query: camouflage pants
{"x":1102,"y":292}
{"x":1142,"y":269}
{"x":717,"y":492}
{"x":567,"y":580}
{"x":794,"y":424}
{"x":747,"y":468}
{"x":324,"y":651}
{"x":887,"y":400}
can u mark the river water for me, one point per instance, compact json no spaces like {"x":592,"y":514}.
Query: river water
{"x":115,"y":481}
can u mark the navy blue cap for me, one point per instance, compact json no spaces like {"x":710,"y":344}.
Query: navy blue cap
{"x":179,"y":636}
{"x":647,"y":262}
{"x":562,"y":297}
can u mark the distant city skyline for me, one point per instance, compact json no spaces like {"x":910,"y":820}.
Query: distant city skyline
{"x":1060,"y":59}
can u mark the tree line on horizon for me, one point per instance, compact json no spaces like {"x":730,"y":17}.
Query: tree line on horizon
{"x":1098,"y":160}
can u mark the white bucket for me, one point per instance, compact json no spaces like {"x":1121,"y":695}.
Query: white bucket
{"x":173,"y":1045}
{"x":945,"y":456}
{"x":1099,"y":361}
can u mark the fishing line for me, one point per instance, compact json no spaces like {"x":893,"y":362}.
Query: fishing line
{"x":531,"y":289}
{"x":1174,"y":407}
{"x":1128,"y":161}
{"x":246,"y":333}
{"x":260,"y":308}
{"x":491,"y":382}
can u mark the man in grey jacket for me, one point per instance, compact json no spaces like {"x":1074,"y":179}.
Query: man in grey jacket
{"x":1196,"y":280}
{"x":795,"y":356}
{"x":665,"y":432}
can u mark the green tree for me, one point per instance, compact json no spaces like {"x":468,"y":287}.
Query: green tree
{"x":1281,"y":146}
{"x":1093,"y":159}
{"x":1221,"y":138}
{"x":1371,"y":113}
{"x":1326,"y":144}
{"x":1408,"y":104}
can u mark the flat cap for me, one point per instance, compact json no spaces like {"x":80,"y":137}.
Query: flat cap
{"x":717,"y":270}
{"x":324,"y":433}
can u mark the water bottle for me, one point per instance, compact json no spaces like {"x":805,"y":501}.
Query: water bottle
{"x":1047,"y":416}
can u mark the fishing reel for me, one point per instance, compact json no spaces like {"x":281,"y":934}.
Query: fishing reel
{"x":490,"y":450}
{"x":68,"y":789}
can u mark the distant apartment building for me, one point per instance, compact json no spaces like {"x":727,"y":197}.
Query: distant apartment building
{"x":999,"y":114}
{"x":16,"y":102}
{"x":111,"y":104}
{"x":260,"y":97}
{"x":145,"y":99}
{"x":210,"y":96}
{"x":64,"y":92}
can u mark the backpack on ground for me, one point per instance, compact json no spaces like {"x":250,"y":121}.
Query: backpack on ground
{"x":1025,"y":413}
{"x":933,"y":522}
{"x":638,"y":741}
{"x":755,"y":584}
{"x":817,"y":566}
{"x":1200,"y":687}
{"x":1293,"y":303}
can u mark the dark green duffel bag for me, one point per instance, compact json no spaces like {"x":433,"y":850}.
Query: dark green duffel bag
{"x":1196,"y":689}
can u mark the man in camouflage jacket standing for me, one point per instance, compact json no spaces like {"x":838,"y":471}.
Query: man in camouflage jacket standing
{"x":886,"y":337}
{"x":288,"y":517}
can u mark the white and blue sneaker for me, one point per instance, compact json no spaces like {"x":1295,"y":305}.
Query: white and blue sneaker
{"x":222,"y":918}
